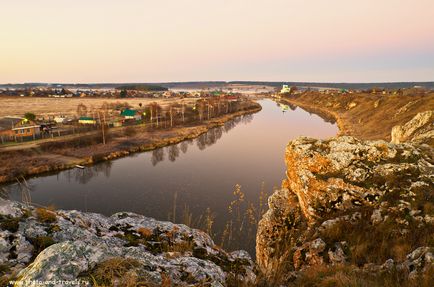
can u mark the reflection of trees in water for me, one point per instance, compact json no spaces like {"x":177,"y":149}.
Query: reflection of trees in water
{"x":183,"y":146}
{"x":104,"y":167}
{"x":209,"y":138}
{"x":157,"y":156}
{"x":202,"y":142}
{"x":231,"y":124}
{"x":83,"y":176}
{"x":173,"y":152}
{"x":247,"y":119}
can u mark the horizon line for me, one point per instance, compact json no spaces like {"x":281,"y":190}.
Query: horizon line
{"x":211,"y":81}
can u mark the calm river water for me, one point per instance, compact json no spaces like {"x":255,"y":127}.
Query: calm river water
{"x":197,"y":174}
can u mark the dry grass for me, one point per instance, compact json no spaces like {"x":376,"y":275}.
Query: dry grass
{"x":362,"y":121}
{"x":46,"y":215}
{"x":116,"y":272}
{"x":240,"y":227}
{"x":145,"y":232}
{"x":348,"y":276}
{"x":376,"y":243}
{"x":66,"y":106}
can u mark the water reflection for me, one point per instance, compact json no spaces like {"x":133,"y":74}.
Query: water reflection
{"x":157,"y":156}
{"x":83,"y":176}
{"x":183,"y":146}
{"x":203,"y":141}
{"x":76,"y":175}
{"x":173,"y":152}
{"x":201,"y":172}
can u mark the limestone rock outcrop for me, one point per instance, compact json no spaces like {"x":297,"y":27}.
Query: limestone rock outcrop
{"x":350,"y":202}
{"x":420,"y":129}
{"x":44,"y":245}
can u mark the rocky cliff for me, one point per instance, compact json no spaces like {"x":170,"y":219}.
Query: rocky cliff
{"x":419,"y":129}
{"x":125,"y":249}
{"x":350,"y":209}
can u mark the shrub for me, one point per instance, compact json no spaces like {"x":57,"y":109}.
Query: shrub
{"x":40,"y":243}
{"x":10,"y":224}
{"x":145,"y":232}
{"x":46,"y":215}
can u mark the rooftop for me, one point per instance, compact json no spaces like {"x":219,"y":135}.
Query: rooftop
{"x":128,"y":113}
{"x":7,"y":123}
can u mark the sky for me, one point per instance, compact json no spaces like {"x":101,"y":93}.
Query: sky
{"x":82,"y":41}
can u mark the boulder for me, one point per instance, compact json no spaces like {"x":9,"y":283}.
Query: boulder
{"x":54,"y":246}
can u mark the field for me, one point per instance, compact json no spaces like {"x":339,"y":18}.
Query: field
{"x":18,"y":106}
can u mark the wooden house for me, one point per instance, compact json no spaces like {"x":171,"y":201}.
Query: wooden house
{"x":15,"y":127}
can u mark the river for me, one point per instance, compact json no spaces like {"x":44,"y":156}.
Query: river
{"x":191,"y":182}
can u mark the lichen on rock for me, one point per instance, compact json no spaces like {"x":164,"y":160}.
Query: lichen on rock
{"x":419,"y":129}
{"x":75,"y":244}
{"x":351,"y":202}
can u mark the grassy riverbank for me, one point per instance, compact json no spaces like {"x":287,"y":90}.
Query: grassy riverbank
{"x":363,"y":115}
{"x":86,"y":149}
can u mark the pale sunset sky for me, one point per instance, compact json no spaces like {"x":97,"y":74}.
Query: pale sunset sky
{"x":78,"y":41}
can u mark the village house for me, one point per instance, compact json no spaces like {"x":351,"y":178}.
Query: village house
{"x":87,"y":121}
{"x":15,"y":127}
{"x":129,"y":114}
{"x":61,"y":119}
{"x":285,"y":89}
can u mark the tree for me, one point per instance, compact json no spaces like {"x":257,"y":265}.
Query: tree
{"x":171,"y":116}
{"x":30,"y":116}
{"x":81,"y":110}
{"x":123,"y":94}
{"x":201,"y":106}
{"x":155,"y":110}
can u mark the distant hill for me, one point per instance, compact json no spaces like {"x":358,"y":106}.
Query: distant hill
{"x":217,"y":84}
{"x":352,"y":86}
{"x":142,"y":87}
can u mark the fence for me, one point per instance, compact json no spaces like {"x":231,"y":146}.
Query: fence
{"x":161,"y":121}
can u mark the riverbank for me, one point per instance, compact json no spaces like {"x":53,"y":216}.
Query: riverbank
{"x":362,"y":115}
{"x":63,"y":154}
{"x":337,"y":192}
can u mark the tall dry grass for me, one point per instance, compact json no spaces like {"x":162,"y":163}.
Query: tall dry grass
{"x":240,"y":228}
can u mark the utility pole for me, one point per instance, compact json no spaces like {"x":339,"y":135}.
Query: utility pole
{"x":171,"y":117}
{"x":102,"y":126}
{"x":183,"y":111}
{"x":103,"y":129}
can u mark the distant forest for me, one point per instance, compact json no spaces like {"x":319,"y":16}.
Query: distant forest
{"x":142,"y":87}
{"x":217,"y":84}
